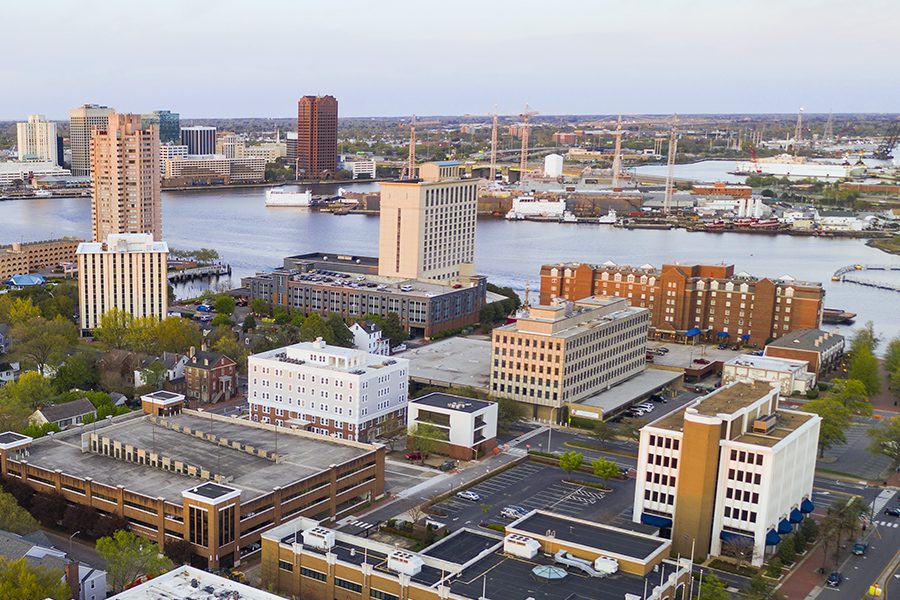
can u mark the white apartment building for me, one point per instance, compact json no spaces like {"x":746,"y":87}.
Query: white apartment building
{"x":367,"y":337}
{"x":169,"y":152}
{"x":269,"y":151}
{"x":360,"y":166}
{"x":127,"y":272}
{"x":730,"y":466}
{"x":427,"y":228}
{"x":470,"y":424}
{"x":330,"y":390}
{"x":36,"y":140}
{"x":82,"y":121}
{"x":791,"y":375}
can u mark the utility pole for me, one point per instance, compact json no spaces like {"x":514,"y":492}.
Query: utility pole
{"x":494,"y":148}
{"x":670,"y":164}
{"x":617,"y":157}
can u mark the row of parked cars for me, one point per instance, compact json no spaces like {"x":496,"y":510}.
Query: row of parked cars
{"x":639,"y":410}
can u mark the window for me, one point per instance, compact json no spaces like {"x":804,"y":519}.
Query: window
{"x":285,"y":565}
{"x":379,"y":595}
{"x":226,"y":525}
{"x":198,"y":526}
{"x":313,"y":574}
{"x":347,"y":585}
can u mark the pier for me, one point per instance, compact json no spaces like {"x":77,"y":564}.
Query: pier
{"x":843,"y":274}
{"x":199,"y":272}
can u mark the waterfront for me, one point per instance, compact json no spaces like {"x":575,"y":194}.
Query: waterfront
{"x":252,"y":238}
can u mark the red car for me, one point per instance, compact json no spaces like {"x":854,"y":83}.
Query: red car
{"x":414,"y":456}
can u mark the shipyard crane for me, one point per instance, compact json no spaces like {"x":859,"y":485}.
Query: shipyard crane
{"x":617,"y":157}
{"x":754,"y":160}
{"x":409,"y":170}
{"x":670,"y":164}
{"x":891,"y":139}
{"x":523,"y":156}
{"x":829,"y":128}
{"x":494,"y":146}
{"x":798,"y":130}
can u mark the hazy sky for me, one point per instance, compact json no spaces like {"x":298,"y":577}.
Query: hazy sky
{"x":229,"y":58}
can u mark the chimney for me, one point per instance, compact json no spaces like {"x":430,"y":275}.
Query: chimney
{"x":73,"y":579}
{"x":192,"y":351}
{"x":203,"y":346}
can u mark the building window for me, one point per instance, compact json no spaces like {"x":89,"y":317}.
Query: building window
{"x":198,"y":525}
{"x":285,"y":565}
{"x":347,"y":585}
{"x":318,"y":576}
{"x":379,"y":595}
{"x":226,"y":525}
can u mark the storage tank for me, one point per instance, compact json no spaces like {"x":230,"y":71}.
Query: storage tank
{"x":553,"y":165}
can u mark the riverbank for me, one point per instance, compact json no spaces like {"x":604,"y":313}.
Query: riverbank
{"x":891,"y":244}
{"x":268,"y":184}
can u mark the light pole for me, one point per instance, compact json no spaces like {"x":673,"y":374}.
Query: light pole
{"x":70,"y":542}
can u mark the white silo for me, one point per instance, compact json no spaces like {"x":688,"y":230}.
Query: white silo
{"x":553,"y":165}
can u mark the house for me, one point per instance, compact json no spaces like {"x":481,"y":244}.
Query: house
{"x":172,"y":361}
{"x":821,"y":349}
{"x":9,"y":371}
{"x":65,"y":414}
{"x":86,"y":582}
{"x":210,"y":376}
{"x":5,"y":339}
{"x":367,"y":337}
{"x":793,"y":376}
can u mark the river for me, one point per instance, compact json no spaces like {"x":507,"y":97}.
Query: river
{"x":252,"y":238}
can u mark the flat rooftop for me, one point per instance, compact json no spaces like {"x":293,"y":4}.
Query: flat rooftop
{"x":304,"y":454}
{"x":768,"y":363}
{"x":623,"y":394}
{"x":462,"y":546}
{"x":732,"y":398}
{"x":787,"y":422}
{"x":455,"y":361}
{"x":452,"y":402}
{"x":179,"y":584}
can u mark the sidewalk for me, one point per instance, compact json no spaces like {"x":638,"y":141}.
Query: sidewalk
{"x":805,"y":581}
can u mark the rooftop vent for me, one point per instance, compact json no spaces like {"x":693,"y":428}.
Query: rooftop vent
{"x":319,"y":537}
{"x":404,"y":562}
{"x":764,"y":424}
{"x":521,"y":546}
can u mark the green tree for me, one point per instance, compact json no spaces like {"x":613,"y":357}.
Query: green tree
{"x":509,"y":412}
{"x":179,"y":551}
{"x":154,"y":374}
{"x":713,"y":588}
{"x":19,"y":580}
{"x":233,"y":349}
{"x":259,"y":307}
{"x":393,"y":330}
{"x":114,"y":328}
{"x":340,"y":333}
{"x":851,"y":393}
{"x":604,"y":432}
{"x":76,"y":371}
{"x":15,"y":518}
{"x":761,"y":588}
{"x":129,"y":556}
{"x":892,"y":356}
{"x":865,"y":369}
{"x":836,"y":419}
{"x":773,"y":569}
{"x":22,"y":310}
{"x":864,"y":339}
{"x":224,"y":304}
{"x":570,"y":461}
{"x":630,"y":428}
{"x":221,"y":319}
{"x":391,"y":430}
{"x":249,"y":323}
{"x":41,"y":341}
{"x":605,"y":469}
{"x":177,"y":334}
{"x":31,"y":390}
{"x":314,"y":326}
{"x":787,"y":550}
{"x":426,"y":438}
{"x":142,"y":335}
{"x":886,"y":441}
{"x":281,"y":315}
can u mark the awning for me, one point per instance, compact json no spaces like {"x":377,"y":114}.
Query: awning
{"x":722,"y":334}
{"x":807,"y":506}
{"x":692,"y":332}
{"x":784,"y":526}
{"x":746,"y":336}
{"x":656,"y":521}
{"x":796,"y":516}
{"x":728,"y":536}
{"x":772,"y":538}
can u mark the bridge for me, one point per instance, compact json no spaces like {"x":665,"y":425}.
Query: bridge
{"x":199,"y":272}
{"x":842,"y":275}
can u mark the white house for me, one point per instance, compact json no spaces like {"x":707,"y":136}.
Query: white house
{"x":792,"y":375}
{"x":470,"y":424}
{"x":9,"y":371}
{"x":367,"y":337}
{"x":172,"y":361}
{"x":65,"y":414}
{"x":836,"y":220}
{"x":342,"y":392}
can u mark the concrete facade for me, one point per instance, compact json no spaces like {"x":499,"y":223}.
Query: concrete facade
{"x":20,"y":258}
{"x":792,"y":376}
{"x":82,"y":121}
{"x":36,"y":140}
{"x":821,"y":349}
{"x":470,"y":424}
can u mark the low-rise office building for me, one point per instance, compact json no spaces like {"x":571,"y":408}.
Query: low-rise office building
{"x":305,"y":559}
{"x":213,"y":168}
{"x":792,"y":376}
{"x":823,"y":350}
{"x":342,"y":392}
{"x":470,"y":425}
{"x":729,"y":468}
{"x":20,"y":258}
{"x":567,"y":351}
{"x":12,"y":172}
{"x":186,"y":582}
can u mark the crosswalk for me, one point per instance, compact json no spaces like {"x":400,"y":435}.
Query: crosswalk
{"x":893,"y":524}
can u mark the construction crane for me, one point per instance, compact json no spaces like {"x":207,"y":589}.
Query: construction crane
{"x":523,"y":156}
{"x":494,"y":147}
{"x":617,"y":157}
{"x":754,"y":160}
{"x":829,"y":128}
{"x":891,"y":139}
{"x":409,"y":169}
{"x":670,"y":164}
{"x":798,"y":131}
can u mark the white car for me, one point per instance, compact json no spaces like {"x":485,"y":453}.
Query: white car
{"x":468,"y":495}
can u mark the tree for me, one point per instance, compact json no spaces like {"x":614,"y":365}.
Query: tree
{"x":630,"y":428}
{"x":224,"y":304}
{"x":604,"y":432}
{"x":739,"y":549}
{"x":259,"y":307}
{"x":249,"y":323}
{"x":113,"y":329}
{"x":892,"y":356}
{"x":340,"y":333}
{"x":509,"y":412}
{"x":426,"y":438}
{"x":851,"y":393}
{"x":48,"y":508}
{"x":605,"y":469}
{"x":22,"y":310}
{"x":41,"y":341}
{"x":787,"y":549}
{"x":835,"y":419}
{"x":314,"y":326}
{"x":179,"y":551}
{"x":864,"y":338}
{"x":570,"y":461}
{"x":177,"y":334}
{"x":234,"y":350}
{"x":128,"y":557}
{"x":760,"y":588}
{"x":76,"y":371}
{"x":19,"y":580}
{"x":79,"y":517}
{"x":31,"y":390}
{"x":142,"y":335}
{"x":392,"y":329}
{"x":221,"y":320}
{"x":886,"y":441}
{"x":15,"y":518}
{"x":391,"y":430}
{"x":865,"y":369}
{"x":713,"y":588}
{"x":773,"y":569}
{"x":154,"y":374}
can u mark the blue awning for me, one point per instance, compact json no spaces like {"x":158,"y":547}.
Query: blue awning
{"x":692,"y":332}
{"x":656,"y":521}
{"x":796,"y":516}
{"x":772,"y":538}
{"x":807,"y":506}
{"x":722,"y":334}
{"x":727,"y":536}
{"x":784,"y":526}
{"x":746,"y":336}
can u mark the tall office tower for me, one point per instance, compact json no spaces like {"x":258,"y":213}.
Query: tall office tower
{"x":199,"y":139}
{"x":126,"y":179}
{"x":169,"y":125}
{"x":427,"y":228}
{"x":317,"y":118}
{"x":127,"y":272}
{"x":81,"y":121}
{"x":36,"y":140}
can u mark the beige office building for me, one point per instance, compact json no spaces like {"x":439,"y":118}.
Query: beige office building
{"x":567,"y":351}
{"x":36,"y":140}
{"x":82,"y":120}
{"x":125,"y":175}
{"x":427,"y":228}
{"x":127,"y":272}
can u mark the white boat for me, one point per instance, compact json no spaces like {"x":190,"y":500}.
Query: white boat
{"x":785,"y":165}
{"x":529,"y":207}
{"x":608,"y":219}
{"x":282,"y":197}
{"x":42,"y":193}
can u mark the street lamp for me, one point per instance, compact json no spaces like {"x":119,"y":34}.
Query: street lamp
{"x":70,"y":542}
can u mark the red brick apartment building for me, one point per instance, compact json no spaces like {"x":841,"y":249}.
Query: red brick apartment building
{"x":210,"y":376}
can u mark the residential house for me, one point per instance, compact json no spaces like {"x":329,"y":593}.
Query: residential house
{"x":367,"y":337}
{"x":172,"y":361}
{"x":210,"y":376}
{"x":63,"y":415}
{"x":9,"y":371}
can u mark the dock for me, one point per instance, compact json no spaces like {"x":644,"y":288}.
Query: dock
{"x":199,"y":272}
{"x":845,"y":274}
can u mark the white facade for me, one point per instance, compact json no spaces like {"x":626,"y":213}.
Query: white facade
{"x":367,"y":337}
{"x":840,"y":223}
{"x":269,"y":151}
{"x":82,"y":120}
{"x":553,"y":165}
{"x":128,"y":272}
{"x":12,"y":171}
{"x":468,"y":423}
{"x":360,"y":166}
{"x":751,"y":207}
{"x":36,"y":140}
{"x":328,"y":389}
{"x":791,"y":375}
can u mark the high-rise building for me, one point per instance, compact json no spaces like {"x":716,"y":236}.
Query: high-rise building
{"x":729,"y":469}
{"x":126,"y":178}
{"x":567,"y":352}
{"x":169,"y":124}
{"x":709,"y":301}
{"x":36,"y":140}
{"x":199,"y":139}
{"x":317,"y":121}
{"x":82,"y":120}
{"x":427,"y":227}
{"x":127,"y":272}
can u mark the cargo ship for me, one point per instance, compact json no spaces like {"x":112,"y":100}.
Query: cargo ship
{"x":282,"y":197}
{"x":797,"y":166}
{"x":836,"y":316}
{"x":540,"y":209}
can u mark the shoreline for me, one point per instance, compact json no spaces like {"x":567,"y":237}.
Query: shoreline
{"x":268,"y":184}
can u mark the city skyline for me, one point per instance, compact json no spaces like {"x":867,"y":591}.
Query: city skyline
{"x":588,"y":59}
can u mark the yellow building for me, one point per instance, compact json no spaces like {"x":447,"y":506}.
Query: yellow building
{"x":567,"y":351}
{"x":20,"y":258}
{"x":427,"y":228}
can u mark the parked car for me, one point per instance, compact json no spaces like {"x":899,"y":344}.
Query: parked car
{"x":834,"y":579}
{"x":414,"y":456}
{"x":658,"y":398}
{"x":701,"y":361}
{"x":513,"y":512}
{"x":448,"y":464}
{"x":662,"y":350}
{"x":205,"y":308}
{"x":859,"y":548}
{"x":892,"y":511}
{"x":646,"y":405}
{"x":468,"y":495}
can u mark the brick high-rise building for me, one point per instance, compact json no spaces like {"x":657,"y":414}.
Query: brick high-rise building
{"x":126,"y":178}
{"x":688,"y":300}
{"x":317,"y":119}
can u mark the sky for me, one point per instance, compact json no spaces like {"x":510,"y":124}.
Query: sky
{"x":254,"y":58}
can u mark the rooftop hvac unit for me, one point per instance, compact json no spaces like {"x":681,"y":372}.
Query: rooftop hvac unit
{"x":764,"y":424}
{"x":404,"y":562}
{"x":319,"y":537}
{"x":521,"y":546}
{"x":606,"y":565}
